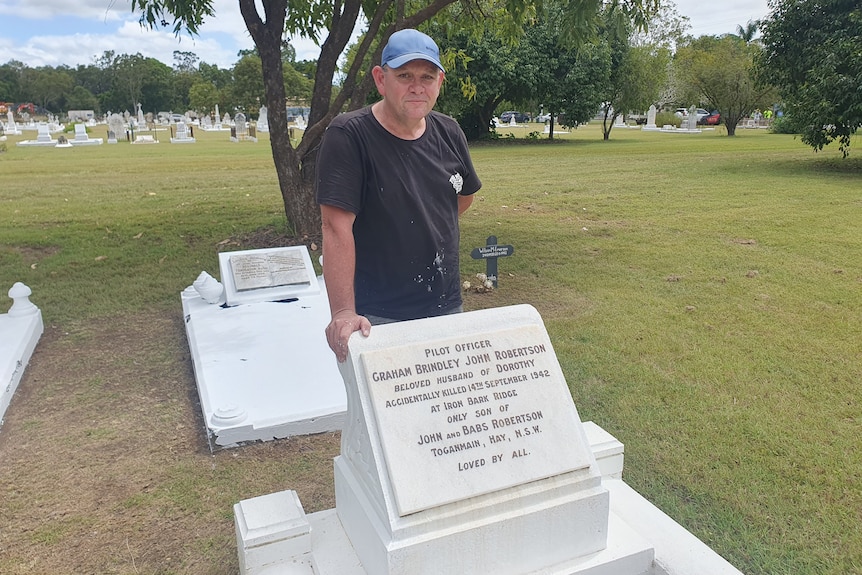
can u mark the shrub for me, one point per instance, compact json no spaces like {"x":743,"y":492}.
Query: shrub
{"x":667,"y":118}
{"x":785,"y":125}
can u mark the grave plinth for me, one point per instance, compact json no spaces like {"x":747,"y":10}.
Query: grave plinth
{"x":463,"y":451}
{"x":463,"y":454}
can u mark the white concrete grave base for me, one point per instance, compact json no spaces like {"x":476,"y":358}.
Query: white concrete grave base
{"x":463,"y":454}
{"x":637,"y":532}
{"x":263,"y":370}
{"x":20,"y":330}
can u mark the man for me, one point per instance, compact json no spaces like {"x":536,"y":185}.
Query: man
{"x":392,"y":179}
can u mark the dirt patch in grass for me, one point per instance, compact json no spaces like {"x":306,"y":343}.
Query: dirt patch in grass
{"x":105,"y":466}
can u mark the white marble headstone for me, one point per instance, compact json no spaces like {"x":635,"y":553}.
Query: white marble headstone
{"x":461,"y":431}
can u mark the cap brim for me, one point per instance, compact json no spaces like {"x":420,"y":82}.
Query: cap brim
{"x":403,"y":59}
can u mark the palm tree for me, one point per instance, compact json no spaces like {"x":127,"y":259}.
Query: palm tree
{"x":749,"y":31}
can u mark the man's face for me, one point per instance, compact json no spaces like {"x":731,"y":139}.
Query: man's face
{"x":411,"y":90}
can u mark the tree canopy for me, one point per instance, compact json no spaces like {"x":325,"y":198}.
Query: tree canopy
{"x":269,"y":20}
{"x":719,"y":71}
{"x":812,"y":55}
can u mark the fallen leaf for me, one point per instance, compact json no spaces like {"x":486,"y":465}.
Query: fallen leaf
{"x":137,"y":237}
{"x":313,"y":247}
{"x":33,"y":266}
{"x":101,"y":258}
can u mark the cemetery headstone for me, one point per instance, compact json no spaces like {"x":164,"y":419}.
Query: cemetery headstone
{"x":651,"y":117}
{"x":182,"y":136}
{"x":263,"y":120}
{"x":463,"y":451}
{"x":691,"y":119}
{"x":42,"y":134}
{"x":240,"y":127}
{"x":267,"y":274}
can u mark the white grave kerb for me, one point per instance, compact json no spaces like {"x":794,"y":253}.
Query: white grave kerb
{"x":461,"y":431}
{"x":252,"y":276}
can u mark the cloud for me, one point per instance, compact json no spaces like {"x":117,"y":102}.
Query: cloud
{"x":97,"y":10}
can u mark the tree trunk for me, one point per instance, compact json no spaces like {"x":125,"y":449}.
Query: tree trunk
{"x":608,"y":125}
{"x":296,"y":184}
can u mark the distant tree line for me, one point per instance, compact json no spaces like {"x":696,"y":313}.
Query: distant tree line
{"x":119,"y":82}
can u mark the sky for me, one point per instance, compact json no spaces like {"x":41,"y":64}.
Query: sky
{"x":73,"y":32}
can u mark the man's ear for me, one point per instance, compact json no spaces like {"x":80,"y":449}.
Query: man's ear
{"x":377,"y":73}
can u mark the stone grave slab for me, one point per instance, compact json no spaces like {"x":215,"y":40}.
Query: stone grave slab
{"x":274,"y":274}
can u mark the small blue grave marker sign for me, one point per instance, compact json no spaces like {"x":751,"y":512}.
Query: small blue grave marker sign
{"x":490,"y":252}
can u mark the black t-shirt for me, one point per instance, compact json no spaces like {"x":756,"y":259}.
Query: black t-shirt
{"x":404,"y":195}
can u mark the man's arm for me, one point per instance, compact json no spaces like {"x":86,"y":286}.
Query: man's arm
{"x":339,"y":267}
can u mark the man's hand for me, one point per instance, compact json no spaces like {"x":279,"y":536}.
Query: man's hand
{"x":340,"y":328}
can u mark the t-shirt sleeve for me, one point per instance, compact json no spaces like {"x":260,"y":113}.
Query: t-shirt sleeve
{"x":339,"y":172}
{"x":472,"y":183}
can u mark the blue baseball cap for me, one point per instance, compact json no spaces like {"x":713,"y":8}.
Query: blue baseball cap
{"x":408,"y":44}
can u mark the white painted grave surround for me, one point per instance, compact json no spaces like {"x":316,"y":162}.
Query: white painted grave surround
{"x":43,"y":137}
{"x":463,"y":453}
{"x":20,"y":330}
{"x":262,"y":366}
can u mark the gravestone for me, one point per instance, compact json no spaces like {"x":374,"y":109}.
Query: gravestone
{"x":42,"y":133}
{"x":11,"y":127}
{"x":43,"y":137}
{"x":182,"y":136}
{"x":115,"y":125}
{"x":463,"y":451}
{"x":463,"y":454}
{"x":252,"y":132}
{"x":274,"y":274}
{"x":651,"y":118}
{"x":226,"y":119}
{"x":82,"y":138}
{"x":691,"y":119}
{"x":239,"y":133}
{"x":263,"y":120}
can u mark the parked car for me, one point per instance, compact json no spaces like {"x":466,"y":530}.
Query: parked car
{"x":506,"y":117}
{"x":636,"y":118}
{"x":711,"y":119}
{"x":683,"y":113}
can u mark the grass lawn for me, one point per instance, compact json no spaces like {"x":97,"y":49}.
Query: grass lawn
{"x":703,"y":295}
